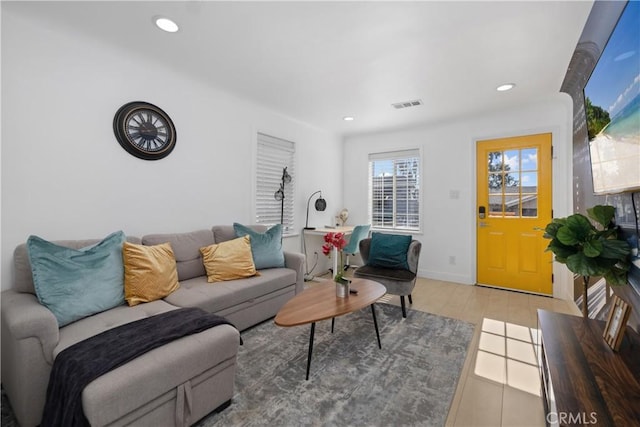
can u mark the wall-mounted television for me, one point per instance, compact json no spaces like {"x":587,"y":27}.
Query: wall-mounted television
{"x":612,"y":98}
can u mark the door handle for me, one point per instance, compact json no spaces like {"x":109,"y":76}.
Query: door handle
{"x":481,"y":212}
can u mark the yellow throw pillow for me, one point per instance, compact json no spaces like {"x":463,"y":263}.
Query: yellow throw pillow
{"x":229,"y":260}
{"x":149,"y":272}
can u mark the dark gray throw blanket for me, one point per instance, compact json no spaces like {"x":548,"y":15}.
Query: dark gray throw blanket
{"x":78,"y":365}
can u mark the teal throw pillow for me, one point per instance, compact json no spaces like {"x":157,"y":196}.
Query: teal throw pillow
{"x":76,"y":283}
{"x":266,"y":247}
{"x":389,"y":250}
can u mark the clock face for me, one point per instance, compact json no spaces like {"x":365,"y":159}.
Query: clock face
{"x":144,"y":130}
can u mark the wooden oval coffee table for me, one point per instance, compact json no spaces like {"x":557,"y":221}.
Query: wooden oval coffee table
{"x":320,"y":303}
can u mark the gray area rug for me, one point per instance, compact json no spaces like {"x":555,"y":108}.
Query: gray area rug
{"x":411,"y":381}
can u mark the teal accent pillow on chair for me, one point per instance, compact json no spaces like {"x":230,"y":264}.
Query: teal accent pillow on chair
{"x":389,"y":250}
{"x":76,"y":283}
{"x":266,"y":247}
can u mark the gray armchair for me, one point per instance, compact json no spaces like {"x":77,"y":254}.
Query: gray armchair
{"x":397,"y":281}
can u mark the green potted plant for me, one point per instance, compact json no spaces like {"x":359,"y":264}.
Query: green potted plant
{"x":588,"y":250}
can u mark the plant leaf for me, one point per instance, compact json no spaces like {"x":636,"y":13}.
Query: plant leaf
{"x":576,"y":230}
{"x":616,"y":276}
{"x":592,"y":248}
{"x":581,"y":226}
{"x":602,"y":214}
{"x":566,"y":236}
{"x":611,"y":233}
{"x":562,"y":252}
{"x":615,"y":249}
{"x":551,"y":230}
{"x":580,"y":264}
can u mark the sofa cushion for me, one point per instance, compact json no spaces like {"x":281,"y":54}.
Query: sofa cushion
{"x":266,"y":247}
{"x":76,"y":283}
{"x":197,"y":292}
{"x":149,"y":272}
{"x":228,"y":260}
{"x":93,"y":325}
{"x":380,"y":274}
{"x":186,"y":249}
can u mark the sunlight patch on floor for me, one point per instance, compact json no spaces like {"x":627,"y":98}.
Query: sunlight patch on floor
{"x":507,"y":355}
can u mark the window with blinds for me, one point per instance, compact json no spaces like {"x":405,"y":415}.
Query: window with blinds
{"x":273,"y":155}
{"x":394,"y":190}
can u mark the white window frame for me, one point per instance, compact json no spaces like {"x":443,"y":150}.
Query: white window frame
{"x":396,"y":158}
{"x":272,"y":155}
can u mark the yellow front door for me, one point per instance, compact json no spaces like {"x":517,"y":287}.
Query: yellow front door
{"x":514,"y":198}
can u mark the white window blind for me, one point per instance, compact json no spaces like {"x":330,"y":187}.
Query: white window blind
{"x":394,"y":190}
{"x":274,"y":154}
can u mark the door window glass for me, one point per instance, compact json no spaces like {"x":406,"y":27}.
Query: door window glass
{"x":513,"y":183}
{"x":495,"y":205}
{"x":511,"y":160}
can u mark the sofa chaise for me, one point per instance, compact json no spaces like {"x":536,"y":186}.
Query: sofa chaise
{"x":177,"y":383}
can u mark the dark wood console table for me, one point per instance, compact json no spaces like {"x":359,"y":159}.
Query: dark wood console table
{"x":584,"y":382}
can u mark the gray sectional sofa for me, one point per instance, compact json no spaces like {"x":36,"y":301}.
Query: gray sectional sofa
{"x":176,"y":384}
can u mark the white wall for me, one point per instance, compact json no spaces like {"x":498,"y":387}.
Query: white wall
{"x":448,"y":154}
{"x":64,"y":176}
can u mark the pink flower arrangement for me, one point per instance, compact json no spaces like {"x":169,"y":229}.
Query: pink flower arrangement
{"x":335,"y":240}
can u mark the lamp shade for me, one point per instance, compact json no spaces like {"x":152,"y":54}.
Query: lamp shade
{"x":286,"y":178}
{"x":321,"y":204}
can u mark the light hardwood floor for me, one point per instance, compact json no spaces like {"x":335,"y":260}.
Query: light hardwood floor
{"x":499,"y":383}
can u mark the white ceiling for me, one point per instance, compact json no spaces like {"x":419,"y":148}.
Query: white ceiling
{"x":320,"y":61}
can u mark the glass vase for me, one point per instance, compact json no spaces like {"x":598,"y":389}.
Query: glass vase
{"x":342,"y":284}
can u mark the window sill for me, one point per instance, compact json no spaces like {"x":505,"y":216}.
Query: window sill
{"x":396,"y":231}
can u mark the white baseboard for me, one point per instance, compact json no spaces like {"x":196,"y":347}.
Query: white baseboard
{"x":447,"y":277}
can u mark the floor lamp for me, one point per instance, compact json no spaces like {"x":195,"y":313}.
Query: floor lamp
{"x":279,"y":194}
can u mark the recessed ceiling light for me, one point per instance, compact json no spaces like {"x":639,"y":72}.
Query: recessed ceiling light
{"x":165,"y":24}
{"x":505,"y":87}
{"x":348,"y":119}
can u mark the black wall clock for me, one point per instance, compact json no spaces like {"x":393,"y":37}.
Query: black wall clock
{"x":144,"y":130}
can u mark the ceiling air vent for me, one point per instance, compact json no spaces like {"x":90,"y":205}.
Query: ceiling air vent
{"x":414,"y":103}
